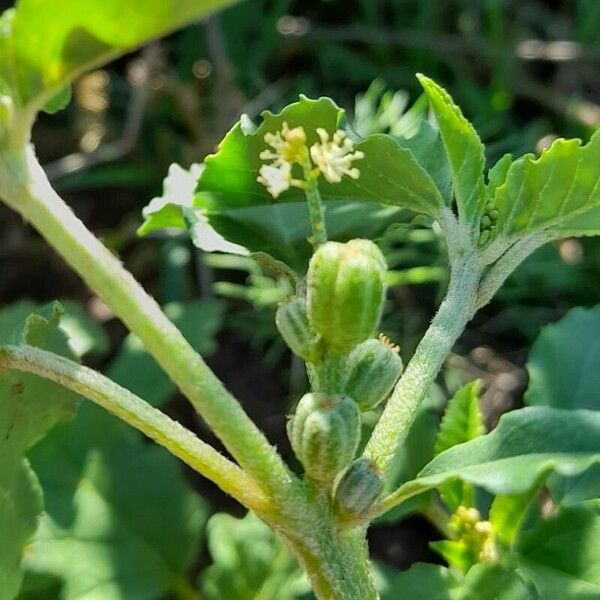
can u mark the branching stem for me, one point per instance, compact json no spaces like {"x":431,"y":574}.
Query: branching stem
{"x":139,"y":414}
{"x":25,"y":187}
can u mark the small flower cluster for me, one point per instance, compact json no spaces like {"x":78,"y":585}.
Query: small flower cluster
{"x":475,"y":533}
{"x":331,"y":157}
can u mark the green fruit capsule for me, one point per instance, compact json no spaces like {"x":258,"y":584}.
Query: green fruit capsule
{"x":292,"y":321}
{"x":345,"y":292}
{"x":372,"y":370}
{"x":324,"y":433}
{"x":359,"y":487}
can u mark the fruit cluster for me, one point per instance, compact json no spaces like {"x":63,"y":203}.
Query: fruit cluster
{"x":331,"y":324}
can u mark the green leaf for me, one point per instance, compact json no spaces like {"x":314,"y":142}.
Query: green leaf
{"x":508,"y":513}
{"x":86,"y":336}
{"x":282,"y":230}
{"x":275,"y":232}
{"x":29,"y":407}
{"x":563,"y":372}
{"x":390,"y":173}
{"x":434,"y":582}
{"x":560,"y":555}
{"x":120,"y":520}
{"x":21,"y":505}
{"x":249,"y":562}
{"x":45,"y":44}
{"x":462,"y":422}
{"x":229,"y":194}
{"x":558,"y":193}
{"x":564,"y":361}
{"x":428,"y":149}
{"x":464,"y":149}
{"x":526,"y":446}
{"x":134,"y":368}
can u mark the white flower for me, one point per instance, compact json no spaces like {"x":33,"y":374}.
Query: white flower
{"x":334,"y":157}
{"x":289,"y":146}
{"x":276,"y":178}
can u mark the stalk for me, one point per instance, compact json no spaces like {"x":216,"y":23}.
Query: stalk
{"x":316,"y":211}
{"x":26,"y":189}
{"x":447,"y":325}
{"x":335,"y":557}
{"x":134,"y":411}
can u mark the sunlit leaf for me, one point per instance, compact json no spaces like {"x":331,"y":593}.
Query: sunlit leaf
{"x":249,"y":562}
{"x":120,"y":520}
{"x":464,"y":149}
{"x":559,"y":192}
{"x":45,"y":44}
{"x":526,"y":446}
{"x":29,"y":407}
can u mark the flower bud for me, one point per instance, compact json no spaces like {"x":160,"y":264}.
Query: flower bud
{"x":345,"y":292}
{"x":358,"y":488}
{"x":324,"y":433}
{"x":292,"y":321}
{"x":372,"y":370}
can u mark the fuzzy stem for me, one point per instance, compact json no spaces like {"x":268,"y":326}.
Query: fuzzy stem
{"x":506,"y":264}
{"x":340,"y":569}
{"x":139,"y":414}
{"x":316,"y":211}
{"x":335,"y":558}
{"x":25,"y":188}
{"x":449,"y":322}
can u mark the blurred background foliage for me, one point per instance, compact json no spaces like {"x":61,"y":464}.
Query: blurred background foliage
{"x":523,"y":71}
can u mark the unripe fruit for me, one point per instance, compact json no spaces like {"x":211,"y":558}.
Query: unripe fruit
{"x":372,"y":370}
{"x":292,"y":321}
{"x":345,"y":292}
{"x":324,"y":433}
{"x":358,"y":488}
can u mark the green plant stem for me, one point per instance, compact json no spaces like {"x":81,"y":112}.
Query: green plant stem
{"x":139,"y":414}
{"x":449,"y":322}
{"x":336,"y":560}
{"x":506,"y":264}
{"x":316,"y":211}
{"x":25,"y":188}
{"x":439,"y":518}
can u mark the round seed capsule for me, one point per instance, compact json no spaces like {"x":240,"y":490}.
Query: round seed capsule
{"x":324,"y":432}
{"x":345,"y":292}
{"x":292,"y":321}
{"x":372,"y":370}
{"x":358,"y":488}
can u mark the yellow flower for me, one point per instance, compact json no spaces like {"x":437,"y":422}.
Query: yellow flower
{"x":334,"y":157}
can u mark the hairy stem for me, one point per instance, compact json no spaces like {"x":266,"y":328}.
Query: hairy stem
{"x":449,"y":322}
{"x":25,"y":188}
{"x":506,"y":264}
{"x":335,"y":558}
{"x":139,"y":414}
{"x":316,"y":211}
